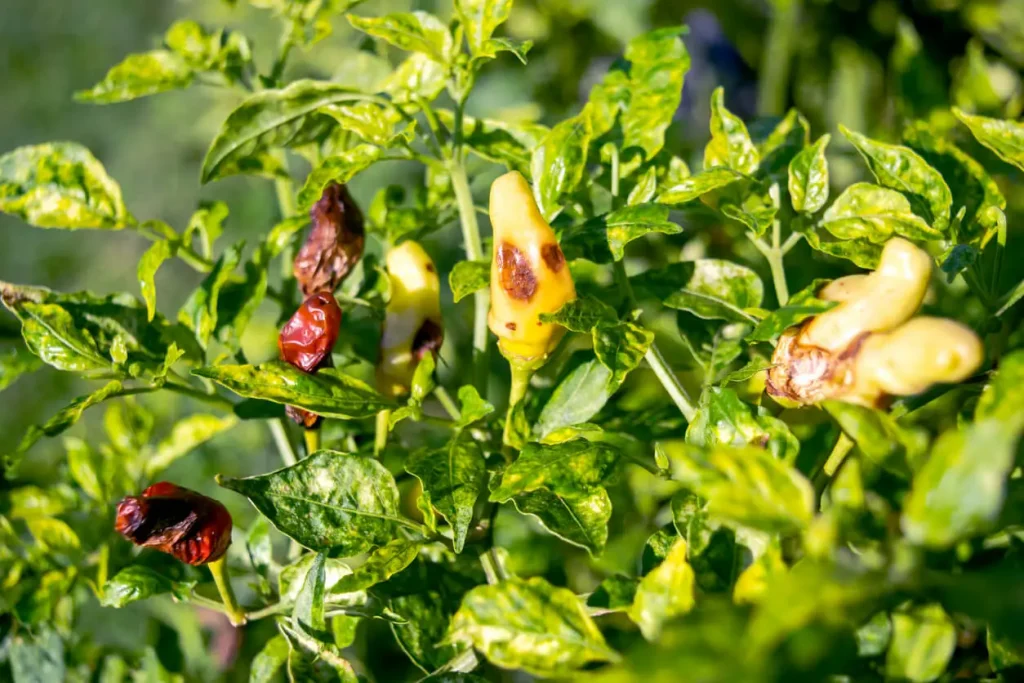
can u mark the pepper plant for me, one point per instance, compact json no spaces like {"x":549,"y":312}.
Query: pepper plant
{"x":721,"y":440}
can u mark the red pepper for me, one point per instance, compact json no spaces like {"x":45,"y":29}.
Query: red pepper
{"x":335,"y":243}
{"x":175,"y":520}
{"x":309,"y":335}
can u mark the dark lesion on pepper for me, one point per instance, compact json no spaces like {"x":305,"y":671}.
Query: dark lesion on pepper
{"x":334,"y":244}
{"x":552,"y":255}
{"x":516,"y":275}
{"x":428,"y":339}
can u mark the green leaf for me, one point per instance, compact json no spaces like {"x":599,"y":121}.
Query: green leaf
{"x":567,"y":468}
{"x":149,"y":263}
{"x":580,"y":519}
{"x":330,"y":501}
{"x":754,"y":205}
{"x":808,"y":177}
{"x":614,"y":594}
{"x":468,"y":277}
{"x":381,"y":565}
{"x":62,"y":420}
{"x":51,"y":333}
{"x":724,"y":420}
{"x":340,"y":168}
{"x":971,"y":185}
{"x":577,"y":398}
{"x":38,"y":660}
{"x":879,"y":437}
{"x":873,"y":213}
{"x":452,"y":479}
{"x":60,"y":185}
{"x":411,"y":31}
{"x":270,"y":119}
{"x":140,"y":75}
{"x":374,"y":123}
{"x":530,"y":625}
{"x":200,"y":311}
{"x":499,"y":141}
{"x":787,"y":139}
{"x":582,"y":315}
{"x":418,"y":77}
{"x":186,"y":435}
{"x":801,"y":306}
{"x":697,"y":186}
{"x":311,"y":659}
{"x":730,"y":145}
{"x":16,"y":362}
{"x":923,"y":641}
{"x":959,"y":490}
{"x":1004,"y":138}
{"x":717,"y":290}
{"x":479,"y":19}
{"x":472,"y":407}
{"x":624,"y":225}
{"x":138,"y":582}
{"x":621,"y":348}
{"x":87,"y":470}
{"x":666,"y":592}
{"x":646,"y":186}
{"x":1004,"y":394}
{"x":746,"y":486}
{"x":309,"y":604}
{"x":862,"y":253}
{"x":900,"y":168}
{"x":559,"y":160}
{"x":269,"y":660}
{"x":329,"y":392}
{"x":658,"y":63}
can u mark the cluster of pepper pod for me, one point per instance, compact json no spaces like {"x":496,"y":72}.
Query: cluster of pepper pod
{"x":870,"y":346}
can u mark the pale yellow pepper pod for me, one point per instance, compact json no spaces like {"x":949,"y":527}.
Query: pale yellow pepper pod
{"x":412,"y":323}
{"x":868,"y":348}
{"x":529,"y":275}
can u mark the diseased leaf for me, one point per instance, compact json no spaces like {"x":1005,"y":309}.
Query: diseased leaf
{"x":666,"y":592}
{"x":418,"y":77}
{"x":879,"y":437}
{"x":330,"y":501}
{"x":577,"y":398}
{"x":480,"y":18}
{"x":468,"y":277}
{"x":801,"y":306}
{"x":646,"y":186}
{"x":473,"y":408}
{"x":724,"y":420}
{"x":567,"y":468}
{"x":308,"y":612}
{"x":339,"y":168}
{"x":697,"y":186}
{"x":923,"y":640}
{"x":530,"y":625}
{"x":716,"y":290}
{"x":1004,"y":394}
{"x":37,"y":660}
{"x":624,"y":225}
{"x":1004,"y":138}
{"x":621,"y":348}
{"x":269,"y":660}
{"x":138,"y":582}
{"x":60,"y":185}
{"x":412,"y":31}
{"x":869,"y":212}
{"x":382,"y":564}
{"x":658,"y":62}
{"x":452,"y":478}
{"x":16,"y":362}
{"x":808,"y":177}
{"x":901,"y":169}
{"x":139,"y":75}
{"x":200,"y":311}
{"x":186,"y":435}
{"x":581,"y":519}
{"x":329,"y":392}
{"x":150,"y":262}
{"x":615,"y":594}
{"x":559,"y":160}
{"x":730,"y":144}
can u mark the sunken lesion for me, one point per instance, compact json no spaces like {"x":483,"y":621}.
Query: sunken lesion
{"x":511,"y":326}
{"x":428,"y":339}
{"x":515,"y":274}
{"x":552,"y":255}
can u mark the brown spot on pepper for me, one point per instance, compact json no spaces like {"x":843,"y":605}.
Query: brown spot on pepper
{"x":552,"y":255}
{"x":334,"y":244}
{"x":516,"y":276}
{"x":510,"y":326}
{"x":428,"y":339}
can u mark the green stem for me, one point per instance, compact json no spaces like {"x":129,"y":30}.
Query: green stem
{"x":269,"y":611}
{"x":312,"y":439}
{"x":447,"y":403}
{"x":494,"y":568}
{"x":103,"y":570}
{"x":521,"y":374}
{"x":773,"y":86}
{"x":791,"y":242}
{"x":839,"y":452}
{"x":615,"y":171}
{"x":474,"y":252}
{"x":779,"y":277}
{"x":284,"y":446}
{"x":380,"y":437}
{"x":222,"y":577}
{"x":212,"y":399}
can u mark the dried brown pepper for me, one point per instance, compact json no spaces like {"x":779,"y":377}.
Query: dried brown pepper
{"x":335,"y":242}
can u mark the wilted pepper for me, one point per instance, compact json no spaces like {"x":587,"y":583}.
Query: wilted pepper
{"x":306,"y":341}
{"x":529,"y":275}
{"x":867,"y":348}
{"x":334,"y":244}
{"x":188,"y":525}
{"x":412,"y":326}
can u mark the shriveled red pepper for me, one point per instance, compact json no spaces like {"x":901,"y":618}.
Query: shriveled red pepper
{"x":166,"y":517}
{"x":306,"y":341}
{"x":335,"y":243}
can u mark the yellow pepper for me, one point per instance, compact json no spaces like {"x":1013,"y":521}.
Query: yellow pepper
{"x":529,"y":275}
{"x":412,"y":324}
{"x":868,"y":348}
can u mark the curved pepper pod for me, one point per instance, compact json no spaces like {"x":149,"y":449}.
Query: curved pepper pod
{"x":868,"y":348}
{"x":412,"y":324}
{"x":188,"y":525}
{"x":529,"y":275}
{"x":306,"y":341}
{"x":335,"y":243}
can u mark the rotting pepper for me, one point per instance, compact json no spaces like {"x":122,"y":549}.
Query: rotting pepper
{"x":412,"y":324}
{"x":306,"y":341}
{"x":868,"y":347}
{"x":335,"y":243}
{"x":529,"y":274}
{"x":175,"y":520}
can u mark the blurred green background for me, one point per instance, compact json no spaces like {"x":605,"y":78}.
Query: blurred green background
{"x":870,"y":65}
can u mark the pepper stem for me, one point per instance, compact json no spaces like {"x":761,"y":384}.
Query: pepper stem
{"x":380,"y":437}
{"x":312,"y":437}
{"x":522,"y":371}
{"x":222,"y":577}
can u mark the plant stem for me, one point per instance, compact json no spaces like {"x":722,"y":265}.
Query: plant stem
{"x":284,"y":446}
{"x":839,"y":452}
{"x":779,"y":277}
{"x":380,"y":437}
{"x":312,"y":439}
{"x":222,"y":577}
{"x":180,"y":387}
{"x":447,"y":403}
{"x":774,"y":84}
{"x":268,"y":611}
{"x":521,"y":374}
{"x":103,"y":569}
{"x":474,"y":252}
{"x":493,"y":566}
